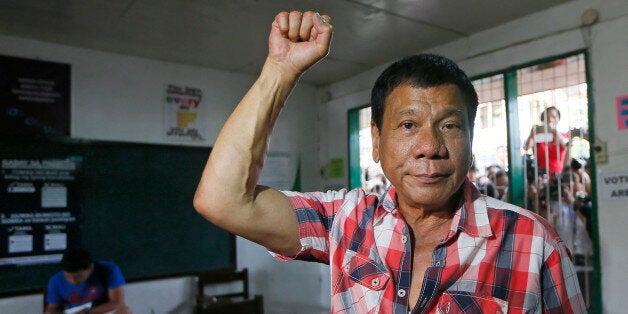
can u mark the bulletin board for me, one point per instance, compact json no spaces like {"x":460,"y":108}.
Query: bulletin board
{"x":132,"y":205}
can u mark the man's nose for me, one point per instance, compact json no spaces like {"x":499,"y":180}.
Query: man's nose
{"x":429,"y":144}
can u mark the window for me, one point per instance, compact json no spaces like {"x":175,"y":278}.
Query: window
{"x":489,"y":139}
{"x":370,"y":177}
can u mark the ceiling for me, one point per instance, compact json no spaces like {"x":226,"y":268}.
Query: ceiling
{"x":231,"y":35}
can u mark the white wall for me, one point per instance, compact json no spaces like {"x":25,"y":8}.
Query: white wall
{"x":551,"y":32}
{"x":119,"y":98}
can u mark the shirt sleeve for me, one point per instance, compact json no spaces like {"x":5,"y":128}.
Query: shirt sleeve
{"x":115,"y":278}
{"x":560,"y":287}
{"x":52,"y":293}
{"x":315,"y":213}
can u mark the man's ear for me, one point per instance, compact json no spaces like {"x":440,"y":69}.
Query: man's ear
{"x":375,"y":138}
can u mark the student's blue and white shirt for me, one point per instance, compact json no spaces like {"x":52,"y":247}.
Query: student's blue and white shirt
{"x":104,"y":277}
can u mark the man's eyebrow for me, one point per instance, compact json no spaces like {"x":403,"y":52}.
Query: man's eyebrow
{"x":407,"y":112}
{"x":454,"y":112}
{"x":448,"y":113}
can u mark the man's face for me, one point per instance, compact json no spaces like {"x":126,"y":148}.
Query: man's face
{"x":424,"y":145}
{"x":552,"y":119}
{"x":78,"y":277}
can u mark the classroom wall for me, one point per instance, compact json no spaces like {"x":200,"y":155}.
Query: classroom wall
{"x":551,"y":32}
{"x":119,"y":98}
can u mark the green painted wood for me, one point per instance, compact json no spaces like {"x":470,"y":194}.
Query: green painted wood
{"x":516,"y":170}
{"x":353,"y":122}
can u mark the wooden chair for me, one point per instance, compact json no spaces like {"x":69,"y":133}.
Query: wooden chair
{"x":234,"y":300}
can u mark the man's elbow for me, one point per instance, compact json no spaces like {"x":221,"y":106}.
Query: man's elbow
{"x":207,"y":207}
{"x":201,"y":205}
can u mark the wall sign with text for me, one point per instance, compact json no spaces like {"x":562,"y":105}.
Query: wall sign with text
{"x":39,"y":209}
{"x":614,"y":186}
{"x":34,"y":98}
{"x":181,"y":108}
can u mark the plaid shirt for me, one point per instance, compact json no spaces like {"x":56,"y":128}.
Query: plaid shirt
{"x":497,"y":257}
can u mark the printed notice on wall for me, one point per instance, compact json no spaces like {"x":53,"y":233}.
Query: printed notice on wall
{"x":182,"y":105}
{"x":34,"y":98}
{"x":336,"y":168}
{"x":614,"y":186}
{"x":280,"y":171}
{"x":39,"y":209}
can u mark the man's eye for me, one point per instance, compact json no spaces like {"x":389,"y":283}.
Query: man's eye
{"x":451,"y":126}
{"x":407,"y":125}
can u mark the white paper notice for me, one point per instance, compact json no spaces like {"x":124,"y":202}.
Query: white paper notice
{"x":54,"y":195}
{"x":614,"y":186}
{"x":279,"y":171}
{"x":20,"y":243}
{"x":55,"y":241}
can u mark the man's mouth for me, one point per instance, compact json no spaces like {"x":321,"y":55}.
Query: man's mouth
{"x":431,"y":178}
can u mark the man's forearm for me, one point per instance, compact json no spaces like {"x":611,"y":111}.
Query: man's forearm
{"x":227,"y":187}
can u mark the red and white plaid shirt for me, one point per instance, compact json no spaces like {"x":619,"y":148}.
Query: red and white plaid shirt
{"x":497,"y":258}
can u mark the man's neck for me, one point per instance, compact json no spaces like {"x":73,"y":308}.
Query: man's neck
{"x":425,"y":218}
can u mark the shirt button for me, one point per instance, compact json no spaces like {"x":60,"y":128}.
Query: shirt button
{"x":375,"y":282}
{"x":404,"y":239}
{"x":438,"y":263}
{"x":401,"y":293}
{"x":347,"y":268}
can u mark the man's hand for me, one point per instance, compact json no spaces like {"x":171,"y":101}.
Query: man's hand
{"x":298,"y":40}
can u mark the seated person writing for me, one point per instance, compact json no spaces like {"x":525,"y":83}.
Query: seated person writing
{"x":83,"y":282}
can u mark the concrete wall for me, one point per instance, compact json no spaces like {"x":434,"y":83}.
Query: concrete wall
{"x":551,"y":32}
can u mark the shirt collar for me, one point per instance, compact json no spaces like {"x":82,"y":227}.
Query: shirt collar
{"x":388,"y":199}
{"x":471,"y":218}
{"x":386,"y":204}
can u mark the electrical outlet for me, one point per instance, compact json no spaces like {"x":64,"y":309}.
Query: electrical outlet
{"x":601,"y":154}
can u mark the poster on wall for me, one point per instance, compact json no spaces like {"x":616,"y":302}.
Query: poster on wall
{"x":280,"y":171}
{"x":622,"y":112}
{"x":39,"y":210}
{"x":181,"y":112}
{"x":34,"y":98}
{"x":614,"y":187}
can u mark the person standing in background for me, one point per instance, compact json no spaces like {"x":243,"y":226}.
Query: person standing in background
{"x":547,"y":143}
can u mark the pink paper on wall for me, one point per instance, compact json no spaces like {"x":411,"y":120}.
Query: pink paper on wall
{"x":622,"y":112}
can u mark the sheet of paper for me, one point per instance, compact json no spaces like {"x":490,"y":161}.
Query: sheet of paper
{"x":79,"y":308}
{"x":279,"y":171}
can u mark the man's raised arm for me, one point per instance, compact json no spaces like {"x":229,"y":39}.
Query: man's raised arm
{"x":227,"y":194}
